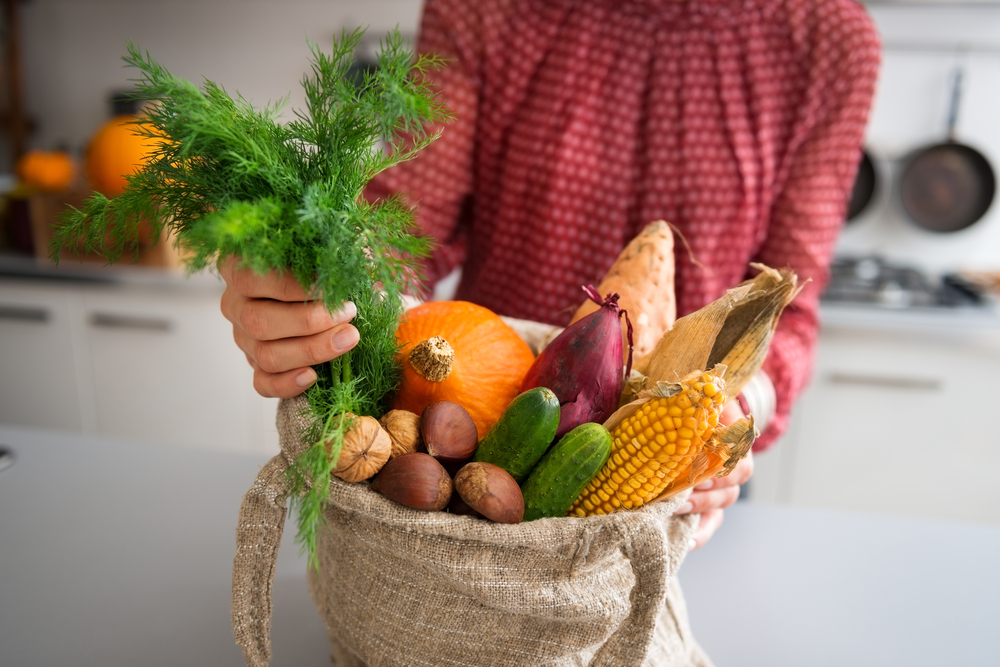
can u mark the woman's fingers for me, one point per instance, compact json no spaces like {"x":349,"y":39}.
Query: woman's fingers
{"x":283,"y":287}
{"x":740,"y":474}
{"x":286,"y":354}
{"x":281,"y":368}
{"x":731,"y":412}
{"x":266,"y":319}
{"x":708,"y":523}
{"x":281,"y":385}
{"x":280,"y":330}
{"x":704,"y":501}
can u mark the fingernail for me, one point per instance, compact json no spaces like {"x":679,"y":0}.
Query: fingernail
{"x":305,"y":378}
{"x":692,"y":545}
{"x":345,"y":338}
{"x":685,"y":509}
{"x":347,"y":312}
{"x":704,"y":486}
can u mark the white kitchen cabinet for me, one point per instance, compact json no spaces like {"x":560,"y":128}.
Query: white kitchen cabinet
{"x":149,"y":360}
{"x":39,"y":383}
{"x":896,"y":419}
{"x":164,"y":367}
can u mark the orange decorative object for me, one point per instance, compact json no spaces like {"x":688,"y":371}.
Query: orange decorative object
{"x":115,"y":151}
{"x":458,"y":351}
{"x":48,"y":171}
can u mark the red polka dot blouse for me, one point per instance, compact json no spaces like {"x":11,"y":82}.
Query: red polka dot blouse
{"x":580,"y":121}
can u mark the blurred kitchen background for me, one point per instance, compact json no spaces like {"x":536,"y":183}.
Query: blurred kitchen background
{"x":129,"y":428}
{"x":897,"y":419}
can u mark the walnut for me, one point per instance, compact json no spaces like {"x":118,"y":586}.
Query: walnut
{"x":366,"y":449}
{"x":403,"y":427}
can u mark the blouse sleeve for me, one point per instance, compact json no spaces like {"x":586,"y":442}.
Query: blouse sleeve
{"x":809,"y":211}
{"x":438,"y":182}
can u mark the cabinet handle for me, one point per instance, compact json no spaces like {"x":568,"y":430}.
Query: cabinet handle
{"x":113,"y":321}
{"x":886,"y":381}
{"x":6,"y":458}
{"x":24,"y":313}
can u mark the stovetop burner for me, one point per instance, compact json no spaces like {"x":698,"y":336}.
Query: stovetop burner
{"x":872,"y":280}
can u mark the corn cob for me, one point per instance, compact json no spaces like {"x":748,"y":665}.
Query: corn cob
{"x":658,"y":446}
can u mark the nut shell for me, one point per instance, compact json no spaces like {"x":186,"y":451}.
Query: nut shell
{"x":449,"y":432}
{"x":458,"y":506}
{"x":403,"y":428}
{"x":365,"y":450}
{"x":416,"y":480}
{"x":491,"y":491}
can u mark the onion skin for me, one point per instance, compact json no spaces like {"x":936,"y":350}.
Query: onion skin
{"x":582,"y":365}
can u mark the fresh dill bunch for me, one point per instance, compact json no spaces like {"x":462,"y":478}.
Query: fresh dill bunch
{"x":229,"y":180}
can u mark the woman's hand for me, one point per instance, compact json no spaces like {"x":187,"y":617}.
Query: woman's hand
{"x":713,"y":495}
{"x":281,"y":332}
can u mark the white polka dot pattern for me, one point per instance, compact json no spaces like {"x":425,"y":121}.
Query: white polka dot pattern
{"x":739,"y":121}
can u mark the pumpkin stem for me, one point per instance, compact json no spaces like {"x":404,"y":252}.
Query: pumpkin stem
{"x":432,"y":359}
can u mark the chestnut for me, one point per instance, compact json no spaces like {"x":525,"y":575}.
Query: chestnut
{"x":416,"y":480}
{"x":491,"y":491}
{"x":458,"y":506}
{"x":448,"y":432}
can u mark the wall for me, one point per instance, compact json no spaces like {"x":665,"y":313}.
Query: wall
{"x":257,"y":47}
{"x":73,"y":49}
{"x":922,"y":46}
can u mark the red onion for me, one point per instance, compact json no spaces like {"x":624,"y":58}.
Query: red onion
{"x":583,"y":365}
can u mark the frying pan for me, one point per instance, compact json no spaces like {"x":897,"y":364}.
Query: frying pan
{"x":864,"y":187}
{"x":947,"y":186}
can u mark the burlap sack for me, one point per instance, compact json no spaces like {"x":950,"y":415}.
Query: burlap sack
{"x":401,"y":587}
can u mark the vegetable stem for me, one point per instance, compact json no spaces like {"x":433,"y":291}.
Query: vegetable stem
{"x":230,"y":180}
{"x":346,"y":372}
{"x":335,"y":371}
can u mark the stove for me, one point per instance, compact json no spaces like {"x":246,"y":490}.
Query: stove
{"x":872,"y":280}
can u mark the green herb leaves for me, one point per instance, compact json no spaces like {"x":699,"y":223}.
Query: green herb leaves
{"x":230,"y":180}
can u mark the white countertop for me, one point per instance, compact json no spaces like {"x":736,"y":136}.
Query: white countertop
{"x":958,"y":320}
{"x":120,"y":554}
{"x":124,"y":274}
{"x":116,"y":553}
{"x":782,"y":586}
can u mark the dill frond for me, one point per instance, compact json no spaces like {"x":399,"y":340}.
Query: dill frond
{"x":229,"y":180}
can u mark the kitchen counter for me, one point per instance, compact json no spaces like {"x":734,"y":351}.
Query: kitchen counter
{"x":782,"y":586}
{"x":118,"y":553}
{"x":28,"y":269}
{"x":947,"y":321}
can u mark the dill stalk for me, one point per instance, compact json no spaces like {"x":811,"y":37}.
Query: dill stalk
{"x":229,"y":180}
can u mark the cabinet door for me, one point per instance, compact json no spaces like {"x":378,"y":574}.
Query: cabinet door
{"x":900,"y":423}
{"x":38,"y":374}
{"x":165,"y":369}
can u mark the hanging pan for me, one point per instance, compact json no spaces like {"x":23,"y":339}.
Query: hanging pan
{"x":947,"y":186}
{"x":865,"y":185}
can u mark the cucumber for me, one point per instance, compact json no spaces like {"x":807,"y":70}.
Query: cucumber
{"x":564,"y":472}
{"x":522,"y":434}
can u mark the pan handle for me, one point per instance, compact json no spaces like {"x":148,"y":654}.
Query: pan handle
{"x":956,"y":96}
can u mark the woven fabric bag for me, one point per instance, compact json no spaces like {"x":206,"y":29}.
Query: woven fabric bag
{"x":406,"y":588}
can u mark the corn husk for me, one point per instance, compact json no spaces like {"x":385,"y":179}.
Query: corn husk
{"x":731,"y":336}
{"x":734,"y":330}
{"x":720,"y":453}
{"x":728,"y":445}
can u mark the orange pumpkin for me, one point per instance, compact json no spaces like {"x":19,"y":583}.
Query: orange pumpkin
{"x":458,"y":351}
{"x":48,"y":171}
{"x":114,"y":151}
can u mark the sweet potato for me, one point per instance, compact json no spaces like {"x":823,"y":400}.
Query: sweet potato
{"x":643,"y":276}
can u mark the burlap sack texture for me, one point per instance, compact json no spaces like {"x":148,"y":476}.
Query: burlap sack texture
{"x":399,"y":587}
